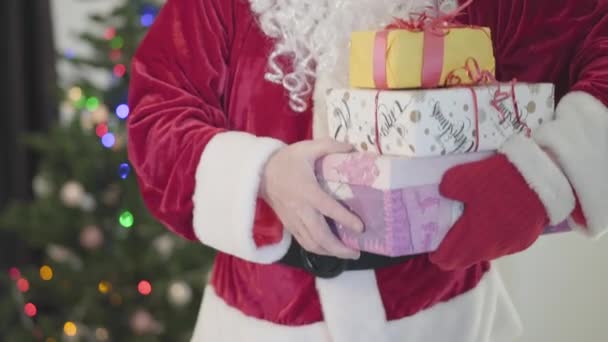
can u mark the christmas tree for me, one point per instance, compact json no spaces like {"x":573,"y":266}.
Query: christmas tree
{"x":95,"y":265}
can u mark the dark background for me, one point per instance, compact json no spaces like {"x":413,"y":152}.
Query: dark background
{"x":27,"y":91}
{"x":27,"y":97}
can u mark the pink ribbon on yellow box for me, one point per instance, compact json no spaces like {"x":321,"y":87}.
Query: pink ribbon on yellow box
{"x":421,"y":52}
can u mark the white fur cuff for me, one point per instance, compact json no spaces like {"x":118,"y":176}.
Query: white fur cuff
{"x":579,"y":140}
{"x":225,"y":195}
{"x":543,"y":176}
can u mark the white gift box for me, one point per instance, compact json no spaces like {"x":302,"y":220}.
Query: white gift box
{"x":434,"y":122}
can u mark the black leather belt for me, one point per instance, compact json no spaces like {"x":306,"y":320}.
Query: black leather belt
{"x":330,"y":267}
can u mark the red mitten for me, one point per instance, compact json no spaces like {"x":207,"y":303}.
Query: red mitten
{"x":502,"y":214}
{"x":509,"y":200}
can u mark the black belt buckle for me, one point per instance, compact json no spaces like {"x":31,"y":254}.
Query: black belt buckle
{"x":322,"y":266}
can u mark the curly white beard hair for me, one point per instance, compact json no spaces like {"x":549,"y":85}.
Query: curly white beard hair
{"x":314,"y":35}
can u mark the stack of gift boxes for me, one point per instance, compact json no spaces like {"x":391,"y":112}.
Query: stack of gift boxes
{"x":422,"y":99}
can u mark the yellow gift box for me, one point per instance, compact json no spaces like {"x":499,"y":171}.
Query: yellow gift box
{"x":405,"y":59}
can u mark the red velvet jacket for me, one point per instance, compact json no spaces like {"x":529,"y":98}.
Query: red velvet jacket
{"x":200,"y":72}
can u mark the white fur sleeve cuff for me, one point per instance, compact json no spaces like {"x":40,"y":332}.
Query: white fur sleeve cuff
{"x":579,"y":139}
{"x":225,"y":195}
{"x":543,"y":176}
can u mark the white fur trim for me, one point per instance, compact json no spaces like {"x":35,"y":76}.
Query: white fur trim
{"x":218,"y":322}
{"x":484,"y":314}
{"x":320,"y":125}
{"x":353,"y":300}
{"x":225,"y":195}
{"x":579,"y":140}
{"x":542,"y":175}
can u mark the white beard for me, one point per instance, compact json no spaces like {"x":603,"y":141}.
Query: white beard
{"x":315,"y":34}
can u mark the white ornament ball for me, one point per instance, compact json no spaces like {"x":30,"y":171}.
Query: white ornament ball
{"x":91,"y":237}
{"x":58,"y":253}
{"x":88,"y":203}
{"x":41,"y":186}
{"x":180,"y":293}
{"x":72,"y":194}
{"x":164,"y":244}
{"x":143,"y":323}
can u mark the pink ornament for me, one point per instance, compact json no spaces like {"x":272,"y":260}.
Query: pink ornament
{"x":91,"y":237}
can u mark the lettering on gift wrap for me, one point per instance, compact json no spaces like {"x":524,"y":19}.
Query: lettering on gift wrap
{"x":453,"y":132}
{"x":389,"y":117}
{"x":342,"y":112}
{"x":510,"y":121}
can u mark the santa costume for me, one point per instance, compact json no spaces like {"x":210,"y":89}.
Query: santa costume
{"x":218,"y":86}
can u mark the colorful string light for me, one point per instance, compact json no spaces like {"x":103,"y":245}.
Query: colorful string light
{"x":104,"y":287}
{"x":70,"y":329}
{"x":117,"y":42}
{"x":120,"y":70}
{"x":46,"y":273}
{"x":123,"y":170}
{"x":144,"y":287}
{"x":108,"y":140}
{"x":75,"y":94}
{"x":23,"y":285}
{"x":30,"y":309}
{"x":126,"y":219}
{"x":69,"y":54}
{"x":101,"y":130}
{"x":92,"y":103}
{"x":147,"y":20}
{"x":109,"y":33}
{"x":122,"y":111}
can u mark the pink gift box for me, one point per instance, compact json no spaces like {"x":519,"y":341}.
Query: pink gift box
{"x":397,"y":198}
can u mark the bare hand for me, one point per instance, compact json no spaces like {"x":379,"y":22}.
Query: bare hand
{"x":290,"y":187}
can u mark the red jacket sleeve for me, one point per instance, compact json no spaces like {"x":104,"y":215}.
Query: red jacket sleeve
{"x":178,"y":75}
{"x":564,"y":42}
{"x":589,"y":67}
{"x":197,"y":177}
{"x":579,"y":135}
